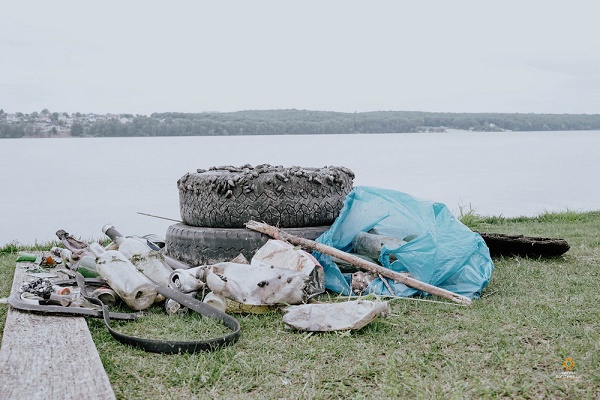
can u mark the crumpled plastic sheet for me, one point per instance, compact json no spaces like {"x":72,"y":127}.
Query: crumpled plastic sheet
{"x":326,"y":317}
{"x":445,"y":252}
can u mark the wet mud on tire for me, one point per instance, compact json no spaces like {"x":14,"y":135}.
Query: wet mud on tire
{"x":519,"y":245}
{"x":228,"y":197}
{"x":202,"y":245}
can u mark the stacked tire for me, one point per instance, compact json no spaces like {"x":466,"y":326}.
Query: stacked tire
{"x":216,"y":203}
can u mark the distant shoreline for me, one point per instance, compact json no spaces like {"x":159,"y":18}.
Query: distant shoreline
{"x":279,"y":122}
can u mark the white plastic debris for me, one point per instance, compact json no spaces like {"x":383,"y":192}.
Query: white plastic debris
{"x":256,"y":285}
{"x":174,"y":308}
{"x":281,"y":254}
{"x":215,"y":301}
{"x":334,"y":316}
{"x":187,"y":280}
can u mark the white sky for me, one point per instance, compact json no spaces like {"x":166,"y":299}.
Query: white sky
{"x":192,"y":56}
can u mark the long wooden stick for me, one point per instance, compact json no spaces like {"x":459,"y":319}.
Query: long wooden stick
{"x":359,"y":262}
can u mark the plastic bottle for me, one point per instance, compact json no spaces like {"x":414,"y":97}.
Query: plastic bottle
{"x":187,"y":280}
{"x":106,"y":295}
{"x":86,"y":266}
{"x":34,"y":258}
{"x":148,"y":261}
{"x":66,"y":255}
{"x":124,"y":278}
{"x":81,"y":262}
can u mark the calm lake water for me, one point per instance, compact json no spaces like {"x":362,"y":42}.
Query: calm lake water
{"x":81,"y":184}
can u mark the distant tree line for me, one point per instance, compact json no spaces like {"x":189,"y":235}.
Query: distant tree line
{"x":293,"y":122}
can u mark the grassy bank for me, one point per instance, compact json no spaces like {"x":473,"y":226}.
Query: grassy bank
{"x":510,"y":344}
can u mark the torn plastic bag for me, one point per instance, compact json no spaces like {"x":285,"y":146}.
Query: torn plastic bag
{"x":327,"y":317}
{"x":254,"y":285}
{"x":444,"y":253}
{"x":281,"y":254}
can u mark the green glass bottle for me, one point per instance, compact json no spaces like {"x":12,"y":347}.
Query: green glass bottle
{"x":86,"y":266}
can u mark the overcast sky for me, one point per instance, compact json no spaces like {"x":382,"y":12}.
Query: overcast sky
{"x":192,"y":56}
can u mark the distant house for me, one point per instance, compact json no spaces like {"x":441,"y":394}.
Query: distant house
{"x":65,"y":120}
{"x":12,"y":118}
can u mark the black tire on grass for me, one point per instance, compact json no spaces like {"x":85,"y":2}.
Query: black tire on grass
{"x":228,"y":197}
{"x":200,"y":245}
{"x":525,"y":246}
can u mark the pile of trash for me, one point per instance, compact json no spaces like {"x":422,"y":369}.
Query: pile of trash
{"x":407,"y":235}
{"x":383,"y":242}
{"x":134,"y":270}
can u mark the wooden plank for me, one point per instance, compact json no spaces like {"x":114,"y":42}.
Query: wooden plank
{"x":49,"y":357}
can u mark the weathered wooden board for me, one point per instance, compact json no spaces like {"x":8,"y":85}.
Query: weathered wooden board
{"x":49,"y":357}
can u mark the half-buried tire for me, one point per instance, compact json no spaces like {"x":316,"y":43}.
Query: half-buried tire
{"x":228,"y":197}
{"x":200,"y":245}
{"x":524,"y":246}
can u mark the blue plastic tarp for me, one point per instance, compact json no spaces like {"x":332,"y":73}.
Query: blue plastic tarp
{"x":445,"y":253}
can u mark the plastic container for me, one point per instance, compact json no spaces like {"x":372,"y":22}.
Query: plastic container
{"x":124,"y":278}
{"x":187,"y":280}
{"x":215,"y":301}
{"x":105,"y":295}
{"x":87,"y":267}
{"x":148,"y":261}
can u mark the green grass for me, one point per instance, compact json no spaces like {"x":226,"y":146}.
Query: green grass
{"x":509,"y":344}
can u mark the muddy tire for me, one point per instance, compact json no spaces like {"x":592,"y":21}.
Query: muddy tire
{"x":200,"y":245}
{"x":524,"y":246}
{"x":228,"y":197}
